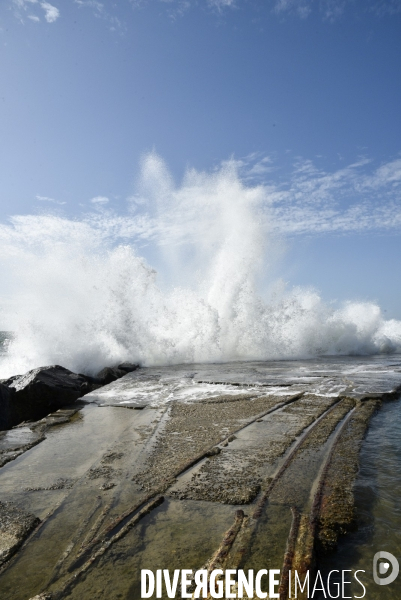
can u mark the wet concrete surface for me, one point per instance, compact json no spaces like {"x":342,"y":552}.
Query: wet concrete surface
{"x":150,"y":472}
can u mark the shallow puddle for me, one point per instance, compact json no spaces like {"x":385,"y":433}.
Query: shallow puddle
{"x":174,"y":536}
{"x":68,"y":451}
{"x":73,"y":450}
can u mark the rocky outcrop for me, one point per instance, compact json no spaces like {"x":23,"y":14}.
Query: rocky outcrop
{"x":5,"y":406}
{"x":34,"y":395}
{"x":110,"y":374}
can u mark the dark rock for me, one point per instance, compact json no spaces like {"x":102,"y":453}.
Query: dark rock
{"x":90,"y":380}
{"x":39,"y":392}
{"x":5,"y":406}
{"x":110,"y":374}
{"x":8,"y":381}
{"x":128,"y":367}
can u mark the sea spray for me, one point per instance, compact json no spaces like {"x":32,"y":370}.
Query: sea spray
{"x":80,"y":294}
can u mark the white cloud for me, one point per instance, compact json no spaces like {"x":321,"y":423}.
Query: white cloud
{"x":350,"y":199}
{"x":100,"y":200}
{"x":387,"y":173}
{"x":357,"y":198}
{"x":332,"y":9}
{"x":254,"y":166}
{"x":386,"y":7}
{"x":91,"y":4}
{"x":47,"y":199}
{"x":51,"y":12}
{"x":101,"y":12}
{"x":24,"y":3}
{"x":329,"y":10}
{"x":22,"y":6}
{"x":301,"y":8}
{"x":221,"y":4}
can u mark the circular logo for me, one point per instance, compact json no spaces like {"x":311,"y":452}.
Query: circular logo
{"x":381,"y":568}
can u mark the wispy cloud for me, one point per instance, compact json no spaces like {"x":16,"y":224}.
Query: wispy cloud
{"x":254,"y":167}
{"x":112,"y":13}
{"x":47,"y":199}
{"x":358,"y":197}
{"x":301,"y":8}
{"x":101,"y":12}
{"x":23,"y":8}
{"x":98,"y":6}
{"x":218,"y":223}
{"x":328,"y":9}
{"x":24,"y":3}
{"x":333,"y":9}
{"x":222,"y":4}
{"x":51,"y":12}
{"x":100,"y":200}
{"x":386,"y":7}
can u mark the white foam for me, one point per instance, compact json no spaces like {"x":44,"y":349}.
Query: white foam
{"x":83,"y":297}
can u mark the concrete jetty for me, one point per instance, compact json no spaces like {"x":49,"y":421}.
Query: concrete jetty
{"x":233,"y":466}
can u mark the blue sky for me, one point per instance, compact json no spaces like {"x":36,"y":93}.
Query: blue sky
{"x":303,"y":96}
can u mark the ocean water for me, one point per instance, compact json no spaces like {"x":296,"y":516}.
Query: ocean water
{"x":378,"y":501}
{"x":185,"y":276}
